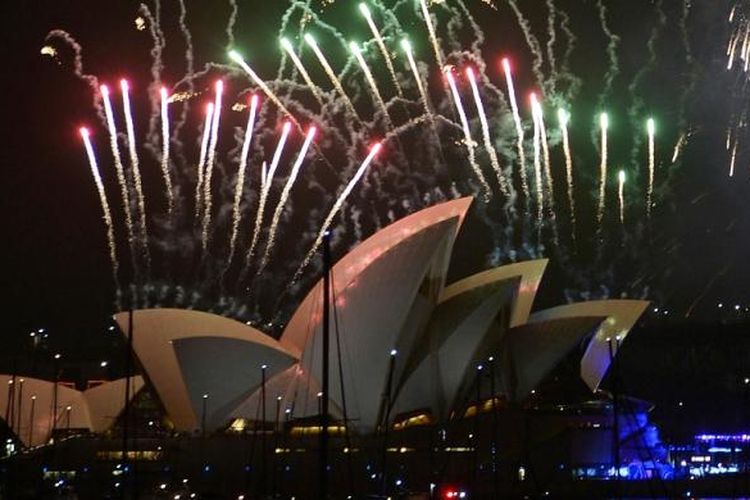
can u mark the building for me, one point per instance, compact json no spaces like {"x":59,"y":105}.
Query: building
{"x":412,"y":358}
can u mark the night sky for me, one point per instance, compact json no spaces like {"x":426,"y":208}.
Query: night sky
{"x":55,"y":261}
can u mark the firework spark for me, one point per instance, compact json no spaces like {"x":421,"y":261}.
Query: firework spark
{"x":331,"y":74}
{"x":268,"y":180}
{"x":236,"y":57}
{"x":621,"y":194}
{"x":406,"y":46}
{"x":287,"y":46}
{"x":105,"y":205}
{"x":651,"y":130}
{"x":134,"y":165}
{"x":371,"y":82}
{"x":336,"y":208}
{"x":486,"y":133}
{"x":381,"y":45}
{"x":273,"y":228}
{"x":564,"y":118}
{"x":240,"y":184}
{"x":537,"y":166}
{"x":536,"y":109}
{"x":603,"y":126}
{"x":165,"y":150}
{"x":210,"y":159}
{"x":431,"y":31}
{"x":519,"y":129}
{"x":120,"y":172}
{"x":202,"y":160}
{"x":467,"y":132}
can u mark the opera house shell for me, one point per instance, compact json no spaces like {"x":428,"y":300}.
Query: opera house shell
{"x":403,"y":341}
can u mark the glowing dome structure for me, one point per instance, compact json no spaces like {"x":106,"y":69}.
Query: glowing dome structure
{"x":403,"y":339}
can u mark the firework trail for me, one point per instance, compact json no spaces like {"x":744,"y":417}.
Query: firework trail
{"x":265,"y":189}
{"x":189,"y":65}
{"x":486,"y":133}
{"x":621,"y":194}
{"x":202,"y":160}
{"x":90,"y":80}
{"x":537,"y":167}
{"x":531,"y":41}
{"x":732,"y":161}
{"x":236,"y":57}
{"x":564,"y":119}
{"x":519,"y":129}
{"x":651,"y":130}
{"x":536,"y":109}
{"x":431,"y":32}
{"x":678,"y":147}
{"x":165,"y":150}
{"x":157,"y":66}
{"x":336,"y":208}
{"x":287,"y":46}
{"x":635,"y":110}
{"x":231,"y":22}
{"x":105,"y":206}
{"x":120,"y":172}
{"x":284,"y":197}
{"x":551,"y":40}
{"x":371,"y":82}
{"x":239,"y":186}
{"x":134,"y":165}
{"x":263,"y":173}
{"x":467,"y":133}
{"x":210,"y":159}
{"x":603,"y":125}
{"x":613,"y":42}
{"x":406,"y":46}
{"x":381,"y":45}
{"x":573,"y":82}
{"x":331,"y":74}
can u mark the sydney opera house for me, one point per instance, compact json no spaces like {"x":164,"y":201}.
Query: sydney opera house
{"x":431,"y":384}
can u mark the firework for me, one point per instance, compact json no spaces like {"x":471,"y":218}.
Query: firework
{"x":733,"y":160}
{"x":202,"y":159}
{"x":210,"y":159}
{"x":564,"y":118}
{"x":236,"y":57}
{"x":105,"y":205}
{"x":603,"y":126}
{"x":336,"y":208}
{"x":406,"y":46}
{"x":371,"y":82}
{"x":134,"y":165}
{"x":621,"y":194}
{"x":467,"y":132}
{"x":165,"y":149}
{"x":285,"y":196}
{"x":329,"y":71}
{"x":678,"y":147}
{"x":486,"y":133}
{"x":120,"y":172}
{"x":519,"y":128}
{"x":431,"y":32}
{"x":381,"y":45}
{"x":537,"y":166}
{"x":651,"y":129}
{"x":287,"y":46}
{"x":268,"y":180}
{"x":536,"y":109}
{"x":240,"y":184}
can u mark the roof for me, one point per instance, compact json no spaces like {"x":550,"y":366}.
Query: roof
{"x":180,"y":381}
